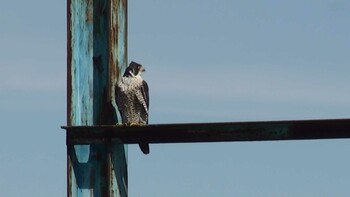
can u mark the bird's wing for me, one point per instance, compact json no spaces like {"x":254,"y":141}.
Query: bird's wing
{"x":117,"y":93}
{"x":145,"y":98}
{"x":145,"y":94}
{"x":118,"y":101}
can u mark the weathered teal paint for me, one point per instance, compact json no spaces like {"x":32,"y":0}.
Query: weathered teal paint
{"x":97,"y":45}
{"x":81,"y":74}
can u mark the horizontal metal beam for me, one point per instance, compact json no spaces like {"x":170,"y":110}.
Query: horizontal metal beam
{"x":211,"y":132}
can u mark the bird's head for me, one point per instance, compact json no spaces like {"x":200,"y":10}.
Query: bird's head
{"x":134,"y":69}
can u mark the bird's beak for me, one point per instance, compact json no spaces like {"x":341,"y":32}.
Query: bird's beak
{"x":143,"y":69}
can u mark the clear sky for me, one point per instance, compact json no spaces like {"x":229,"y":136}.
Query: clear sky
{"x":206,"y":61}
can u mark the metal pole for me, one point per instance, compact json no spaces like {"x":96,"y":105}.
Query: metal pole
{"x":96,"y":53}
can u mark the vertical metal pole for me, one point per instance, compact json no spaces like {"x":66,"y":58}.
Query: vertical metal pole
{"x":97,"y":52}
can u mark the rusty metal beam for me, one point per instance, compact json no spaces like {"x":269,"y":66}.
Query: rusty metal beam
{"x":96,"y":54}
{"x":211,"y":132}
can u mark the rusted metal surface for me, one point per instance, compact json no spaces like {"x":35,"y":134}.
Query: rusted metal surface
{"x":80,"y":63}
{"x":92,"y":69}
{"x":212,"y":132}
{"x":117,"y":61}
{"x":118,"y":40}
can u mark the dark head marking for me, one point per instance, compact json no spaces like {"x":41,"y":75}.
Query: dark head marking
{"x":133,"y":69}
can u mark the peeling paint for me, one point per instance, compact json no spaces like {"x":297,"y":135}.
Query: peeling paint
{"x":94,"y":58}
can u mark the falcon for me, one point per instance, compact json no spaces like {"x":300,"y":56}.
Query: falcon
{"x":132,"y":98}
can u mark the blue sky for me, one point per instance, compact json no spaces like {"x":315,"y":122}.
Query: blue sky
{"x":206,"y":61}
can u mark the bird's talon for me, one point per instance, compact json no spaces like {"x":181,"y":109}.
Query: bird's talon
{"x":131,"y":124}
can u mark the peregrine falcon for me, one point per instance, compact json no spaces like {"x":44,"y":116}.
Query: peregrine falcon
{"x":132,"y":98}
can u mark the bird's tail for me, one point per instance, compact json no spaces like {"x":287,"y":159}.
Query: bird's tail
{"x":144,"y":148}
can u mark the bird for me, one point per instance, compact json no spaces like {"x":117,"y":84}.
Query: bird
{"x":132,"y":98}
